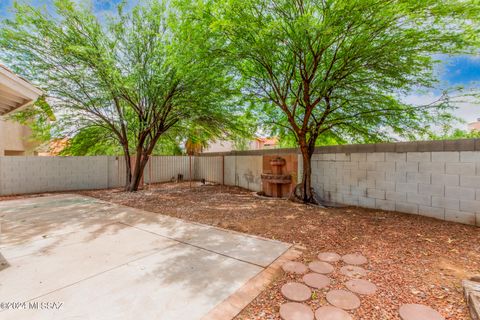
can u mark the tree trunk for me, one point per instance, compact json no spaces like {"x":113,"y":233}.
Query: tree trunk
{"x":128,"y":169}
{"x":303,"y":192}
{"x":306,"y":184}
{"x":141,"y":161}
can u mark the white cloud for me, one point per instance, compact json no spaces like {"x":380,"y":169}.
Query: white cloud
{"x":468,"y":108}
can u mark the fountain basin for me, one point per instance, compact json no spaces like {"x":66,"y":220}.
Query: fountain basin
{"x":277,"y":178}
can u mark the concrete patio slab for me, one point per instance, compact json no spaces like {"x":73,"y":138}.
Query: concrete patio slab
{"x":103,"y":261}
{"x":45,"y":271}
{"x":28,"y":220}
{"x":249,"y":249}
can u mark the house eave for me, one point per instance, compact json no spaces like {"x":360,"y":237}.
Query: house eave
{"x":15,"y":92}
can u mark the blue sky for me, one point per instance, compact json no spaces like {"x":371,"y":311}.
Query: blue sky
{"x":98,"y":5}
{"x":456,"y":71}
{"x":453,"y":71}
{"x":462,"y":70}
{"x":104,"y":5}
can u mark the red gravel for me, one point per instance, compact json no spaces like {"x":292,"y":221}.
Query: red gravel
{"x":412,"y":259}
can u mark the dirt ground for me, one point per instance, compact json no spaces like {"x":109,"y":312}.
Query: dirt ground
{"x":412,"y":259}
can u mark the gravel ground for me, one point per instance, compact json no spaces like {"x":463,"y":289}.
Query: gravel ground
{"x":412,"y":259}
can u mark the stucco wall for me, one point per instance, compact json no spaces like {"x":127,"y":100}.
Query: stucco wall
{"x":14,"y":137}
{"x":219,"y":146}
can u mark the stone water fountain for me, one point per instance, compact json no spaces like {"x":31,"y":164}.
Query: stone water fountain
{"x":275,"y":180}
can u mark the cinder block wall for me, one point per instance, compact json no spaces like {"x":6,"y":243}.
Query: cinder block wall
{"x":443,"y":185}
{"x":20,"y":175}
{"x":439,"y":184}
{"x":166,"y":168}
{"x":209,"y":168}
{"x":244,"y":171}
{"x":439,"y":179}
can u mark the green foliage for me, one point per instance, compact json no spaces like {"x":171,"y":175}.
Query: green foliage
{"x":92,"y":141}
{"x":334,"y":70}
{"x":340,"y":67}
{"x":449,"y":133}
{"x":38,"y":117}
{"x":168,"y":146}
{"x":287,"y":139}
{"x":135,"y":75}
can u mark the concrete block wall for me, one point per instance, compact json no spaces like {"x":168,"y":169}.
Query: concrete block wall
{"x":116,"y":172}
{"x":209,"y":168}
{"x":439,"y":184}
{"x":19,"y":175}
{"x":439,"y":179}
{"x":230,"y":171}
{"x":244,"y":171}
{"x":166,"y":168}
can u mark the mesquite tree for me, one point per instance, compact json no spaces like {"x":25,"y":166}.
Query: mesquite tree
{"x":133,"y":75}
{"x":339,"y":67}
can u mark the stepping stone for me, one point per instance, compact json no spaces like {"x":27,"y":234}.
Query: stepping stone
{"x":329,"y":256}
{"x":331,"y":313}
{"x":361,"y":286}
{"x":354,"y":258}
{"x":343,"y":299}
{"x":419,"y":312}
{"x":295,"y":267}
{"x":296,"y":292}
{"x":315,"y":280}
{"x":353,"y":271}
{"x":295,"y":311}
{"x":321,"y":267}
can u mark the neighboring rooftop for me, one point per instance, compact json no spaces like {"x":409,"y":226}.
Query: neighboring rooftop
{"x":15,"y":91}
{"x":257,"y":143}
{"x":474,"y":125}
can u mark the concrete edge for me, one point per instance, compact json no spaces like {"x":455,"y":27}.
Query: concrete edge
{"x":36,"y":195}
{"x":238,"y":301}
{"x":188,"y":221}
